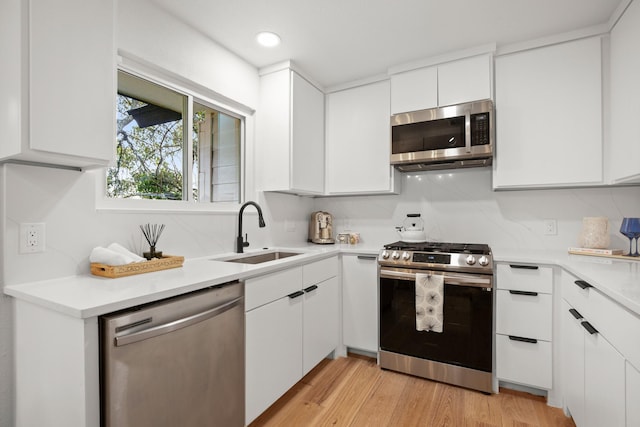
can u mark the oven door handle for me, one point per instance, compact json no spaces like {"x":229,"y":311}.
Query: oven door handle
{"x":449,"y":278}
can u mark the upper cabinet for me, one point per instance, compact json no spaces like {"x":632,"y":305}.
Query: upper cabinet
{"x":449,"y":83}
{"x":549,"y":116}
{"x":624,"y":142}
{"x":358,"y":141}
{"x":290,"y":134}
{"x":57,"y":95}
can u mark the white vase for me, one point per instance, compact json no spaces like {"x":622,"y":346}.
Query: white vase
{"x":595,"y":233}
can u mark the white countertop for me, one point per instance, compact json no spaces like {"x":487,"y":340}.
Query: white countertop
{"x":87,"y":296}
{"x":618,"y":279}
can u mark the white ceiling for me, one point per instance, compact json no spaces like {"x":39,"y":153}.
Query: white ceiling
{"x":339,"y":41}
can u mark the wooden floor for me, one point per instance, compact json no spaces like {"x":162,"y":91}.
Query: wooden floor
{"x":354,"y":391}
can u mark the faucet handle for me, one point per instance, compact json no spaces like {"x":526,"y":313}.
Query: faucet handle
{"x":246,"y":240}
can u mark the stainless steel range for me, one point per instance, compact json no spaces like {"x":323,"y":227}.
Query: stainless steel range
{"x":436,"y":312}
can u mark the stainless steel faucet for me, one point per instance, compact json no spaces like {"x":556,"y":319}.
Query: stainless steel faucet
{"x":240,"y":242}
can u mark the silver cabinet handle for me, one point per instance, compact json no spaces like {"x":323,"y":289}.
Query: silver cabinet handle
{"x":176,"y":324}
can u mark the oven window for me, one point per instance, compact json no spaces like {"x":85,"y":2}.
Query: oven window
{"x":466,"y":339}
{"x":431,"y":135}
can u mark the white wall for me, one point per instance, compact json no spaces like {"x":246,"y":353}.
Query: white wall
{"x":459,"y":206}
{"x":147,"y":32}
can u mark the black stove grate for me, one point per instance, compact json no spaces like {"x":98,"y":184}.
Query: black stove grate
{"x":444,"y":247}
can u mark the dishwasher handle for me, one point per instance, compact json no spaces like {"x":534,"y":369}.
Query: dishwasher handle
{"x":176,"y":324}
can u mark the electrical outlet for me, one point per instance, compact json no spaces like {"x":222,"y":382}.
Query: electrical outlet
{"x":31,"y":238}
{"x":550,"y":227}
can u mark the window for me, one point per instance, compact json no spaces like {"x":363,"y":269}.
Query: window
{"x":157,"y":158}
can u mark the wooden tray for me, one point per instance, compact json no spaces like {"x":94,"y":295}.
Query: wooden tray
{"x":614,"y":256}
{"x":115,"y":271}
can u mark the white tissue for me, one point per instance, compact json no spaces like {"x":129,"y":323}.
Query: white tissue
{"x":116,"y":247}
{"x":115,"y":254}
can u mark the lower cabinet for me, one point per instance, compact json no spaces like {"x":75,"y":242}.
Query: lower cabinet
{"x":360,"y":302}
{"x":292,"y":321}
{"x":524,"y":303}
{"x":632,"y":394}
{"x":594,"y":370}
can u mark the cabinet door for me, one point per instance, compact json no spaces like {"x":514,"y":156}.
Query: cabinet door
{"x":549,"y":116}
{"x":11,"y":16}
{"x":72,"y":78}
{"x":604,"y":383}
{"x":307,"y":136}
{"x":359,"y":140}
{"x":464,"y":80}
{"x":632,"y":395}
{"x":625,"y":91}
{"x":321,"y":322}
{"x":273,"y":353}
{"x":573,"y":364}
{"x":414,"y":90}
{"x":360,"y":302}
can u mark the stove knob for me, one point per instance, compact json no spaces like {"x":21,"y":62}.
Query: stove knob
{"x":385,"y":254}
{"x":483,"y":261}
{"x":395,"y":255}
{"x":406,"y":256}
{"x":470,"y":260}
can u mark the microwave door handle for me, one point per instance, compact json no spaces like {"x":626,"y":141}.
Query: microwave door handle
{"x":467,"y":131}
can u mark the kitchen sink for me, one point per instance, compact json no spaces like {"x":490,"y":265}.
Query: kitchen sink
{"x":262,"y":257}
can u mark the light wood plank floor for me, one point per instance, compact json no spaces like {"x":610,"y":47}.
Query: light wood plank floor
{"x":354,"y":391}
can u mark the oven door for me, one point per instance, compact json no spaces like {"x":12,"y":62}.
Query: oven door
{"x":466,"y":338}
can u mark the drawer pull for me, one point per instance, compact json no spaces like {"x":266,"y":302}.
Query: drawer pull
{"x":295,"y":294}
{"x":311,"y":288}
{"x":523,"y":339}
{"x":367,"y":257}
{"x":527,"y":293}
{"x":589,"y":327}
{"x":582,"y":284}
{"x":524,"y":267}
{"x":575,"y":313}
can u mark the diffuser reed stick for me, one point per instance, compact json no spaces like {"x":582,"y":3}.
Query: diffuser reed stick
{"x":152,"y":233}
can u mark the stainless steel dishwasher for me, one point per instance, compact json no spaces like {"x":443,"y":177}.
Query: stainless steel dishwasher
{"x":177,"y":362}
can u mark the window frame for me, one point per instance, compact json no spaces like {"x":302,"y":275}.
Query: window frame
{"x":194,"y":94}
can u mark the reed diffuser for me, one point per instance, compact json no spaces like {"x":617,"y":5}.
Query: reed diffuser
{"x":152,"y":233}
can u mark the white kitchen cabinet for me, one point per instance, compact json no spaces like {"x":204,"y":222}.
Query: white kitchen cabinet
{"x":58,"y":97}
{"x":321,"y":322}
{"x":291,"y":325}
{"x":290,"y":134}
{"x":463,"y":80}
{"x":524,"y":313}
{"x":632,"y":380}
{"x":594,"y":369}
{"x":549,"y":116}
{"x":624,"y":154}
{"x":360,"y":302}
{"x":414,"y":90}
{"x":358,"y":141}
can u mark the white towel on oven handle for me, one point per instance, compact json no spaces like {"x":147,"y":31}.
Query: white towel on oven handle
{"x":429,"y":302}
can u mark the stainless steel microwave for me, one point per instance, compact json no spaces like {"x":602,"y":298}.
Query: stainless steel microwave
{"x":454,"y":136}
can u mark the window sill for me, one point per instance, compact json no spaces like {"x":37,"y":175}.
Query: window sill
{"x":164,"y":206}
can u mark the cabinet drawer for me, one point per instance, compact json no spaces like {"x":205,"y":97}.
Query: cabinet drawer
{"x":264,"y":289}
{"x":524,"y":315}
{"x":319,"y":271}
{"x":576,"y":292}
{"x":525,"y":277}
{"x":618,"y":325}
{"x":523,"y":362}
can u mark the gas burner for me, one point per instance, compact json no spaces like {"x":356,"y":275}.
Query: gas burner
{"x":452,"y":248}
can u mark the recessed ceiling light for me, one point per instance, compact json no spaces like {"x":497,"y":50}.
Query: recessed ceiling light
{"x":268,"y":39}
